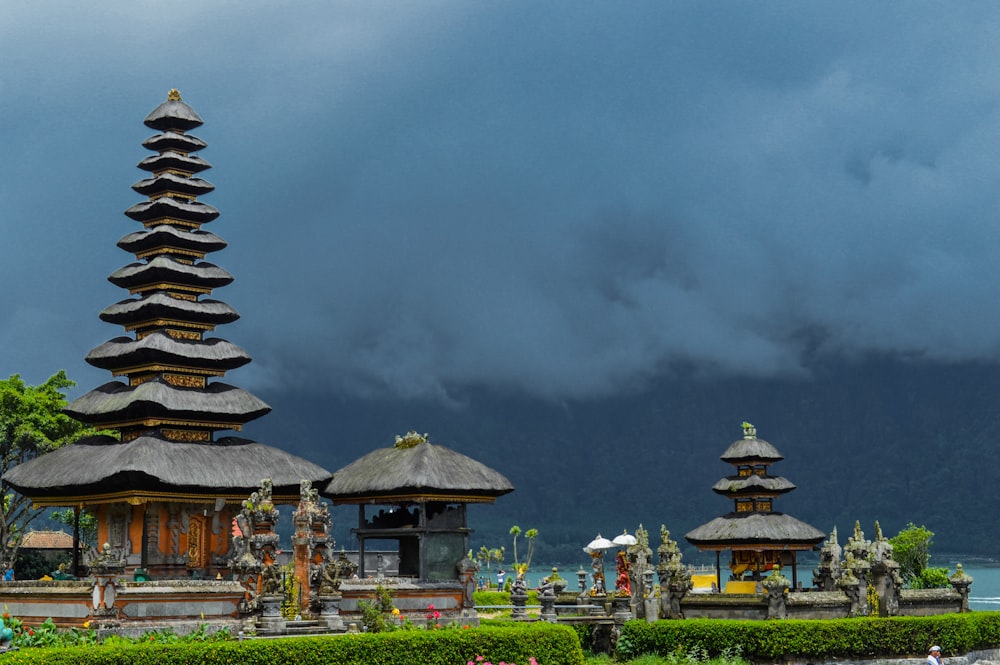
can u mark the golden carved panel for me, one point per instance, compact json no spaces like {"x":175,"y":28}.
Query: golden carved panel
{"x":185,"y":380}
{"x":183,"y":334}
{"x":187,"y":435}
{"x":172,"y":222}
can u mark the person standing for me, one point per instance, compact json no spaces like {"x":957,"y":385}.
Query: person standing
{"x":934,"y":657}
{"x":500,"y":575}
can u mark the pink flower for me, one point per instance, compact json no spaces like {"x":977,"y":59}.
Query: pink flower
{"x":480,"y":658}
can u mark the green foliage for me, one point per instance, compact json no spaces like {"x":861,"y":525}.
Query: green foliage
{"x":912,"y":550}
{"x":548,"y":644}
{"x":843,"y":638}
{"x":489,"y":556}
{"x":530,"y":535}
{"x":376,"y":612}
{"x":88,"y":524}
{"x":31,"y":424}
{"x":931,"y":578}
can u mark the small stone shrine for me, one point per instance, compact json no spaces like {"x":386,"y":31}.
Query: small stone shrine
{"x":415,"y":495}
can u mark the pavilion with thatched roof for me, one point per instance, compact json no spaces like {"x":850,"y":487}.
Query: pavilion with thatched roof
{"x":420,"y":491}
{"x":758,"y":537}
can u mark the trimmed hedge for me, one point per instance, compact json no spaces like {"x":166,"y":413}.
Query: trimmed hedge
{"x":799,"y":638}
{"x":482,"y":598}
{"x":549,"y":644}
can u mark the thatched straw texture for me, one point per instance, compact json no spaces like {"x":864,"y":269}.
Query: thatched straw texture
{"x":156,"y":398}
{"x":751,"y":450}
{"x":161,"y":305}
{"x":174,"y":141}
{"x":165,"y":269}
{"x":415,"y":471}
{"x":173,"y":114}
{"x":167,"y":207}
{"x":749,"y":484}
{"x":212,"y":353}
{"x":164,"y":235}
{"x":773,"y":529}
{"x":103,"y":465}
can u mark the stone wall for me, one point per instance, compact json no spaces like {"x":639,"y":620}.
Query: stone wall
{"x":812,"y":604}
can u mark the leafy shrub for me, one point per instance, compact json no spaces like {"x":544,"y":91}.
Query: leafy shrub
{"x":547,"y":643}
{"x":847,"y":638}
{"x":931,"y":578}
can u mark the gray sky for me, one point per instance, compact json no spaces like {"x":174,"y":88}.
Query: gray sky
{"x":561,"y":199}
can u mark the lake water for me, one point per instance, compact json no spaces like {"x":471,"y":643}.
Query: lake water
{"x":985,"y":593}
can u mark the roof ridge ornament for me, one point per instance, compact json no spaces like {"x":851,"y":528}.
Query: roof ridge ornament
{"x":174,"y":95}
{"x":749,"y":431}
{"x":410,"y":439}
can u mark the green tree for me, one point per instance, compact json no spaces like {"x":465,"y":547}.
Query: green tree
{"x":88,"y":524}
{"x":530,"y":535}
{"x":31,"y":424}
{"x":488,"y":556}
{"x":911,"y":548}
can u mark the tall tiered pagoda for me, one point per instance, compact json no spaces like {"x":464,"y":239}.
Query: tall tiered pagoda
{"x":166,"y":487}
{"x":758,"y":536}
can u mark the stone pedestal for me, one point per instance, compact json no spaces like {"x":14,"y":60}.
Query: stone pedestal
{"x":621,"y":608}
{"x":961,"y":582}
{"x":519,"y":600}
{"x":598,"y":601}
{"x":329,"y":612}
{"x":548,"y":601}
{"x":270,"y":613}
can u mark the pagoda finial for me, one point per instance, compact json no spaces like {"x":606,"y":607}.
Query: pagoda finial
{"x":174,"y":95}
{"x":749,"y":431}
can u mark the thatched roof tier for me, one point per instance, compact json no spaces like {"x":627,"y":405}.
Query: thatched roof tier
{"x":161,"y":349}
{"x":173,"y":115}
{"x":168,"y":208}
{"x":157,"y":400}
{"x":183,"y":143}
{"x":755,"y":531}
{"x":103,"y":469}
{"x":751,"y":449}
{"x":171,"y":183}
{"x":420,"y":472}
{"x":174,"y":160}
{"x":162,"y":306}
{"x":757,"y":485}
{"x":166,"y":237}
{"x":164,"y":269}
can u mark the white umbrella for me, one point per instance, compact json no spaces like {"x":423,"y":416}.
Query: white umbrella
{"x":625,"y":539}
{"x":598,"y":543}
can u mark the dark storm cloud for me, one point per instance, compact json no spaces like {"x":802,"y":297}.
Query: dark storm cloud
{"x":554,"y":198}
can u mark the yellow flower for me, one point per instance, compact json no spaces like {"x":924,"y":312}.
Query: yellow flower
{"x":395,"y":611}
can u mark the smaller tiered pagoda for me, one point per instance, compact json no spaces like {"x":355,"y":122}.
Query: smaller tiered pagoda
{"x":758,"y":537}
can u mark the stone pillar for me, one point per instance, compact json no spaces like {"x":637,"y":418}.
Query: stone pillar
{"x":961,"y":583}
{"x":467,"y":569}
{"x":329,"y":612}
{"x":547,"y":597}
{"x":826,"y":575}
{"x":106,"y":568}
